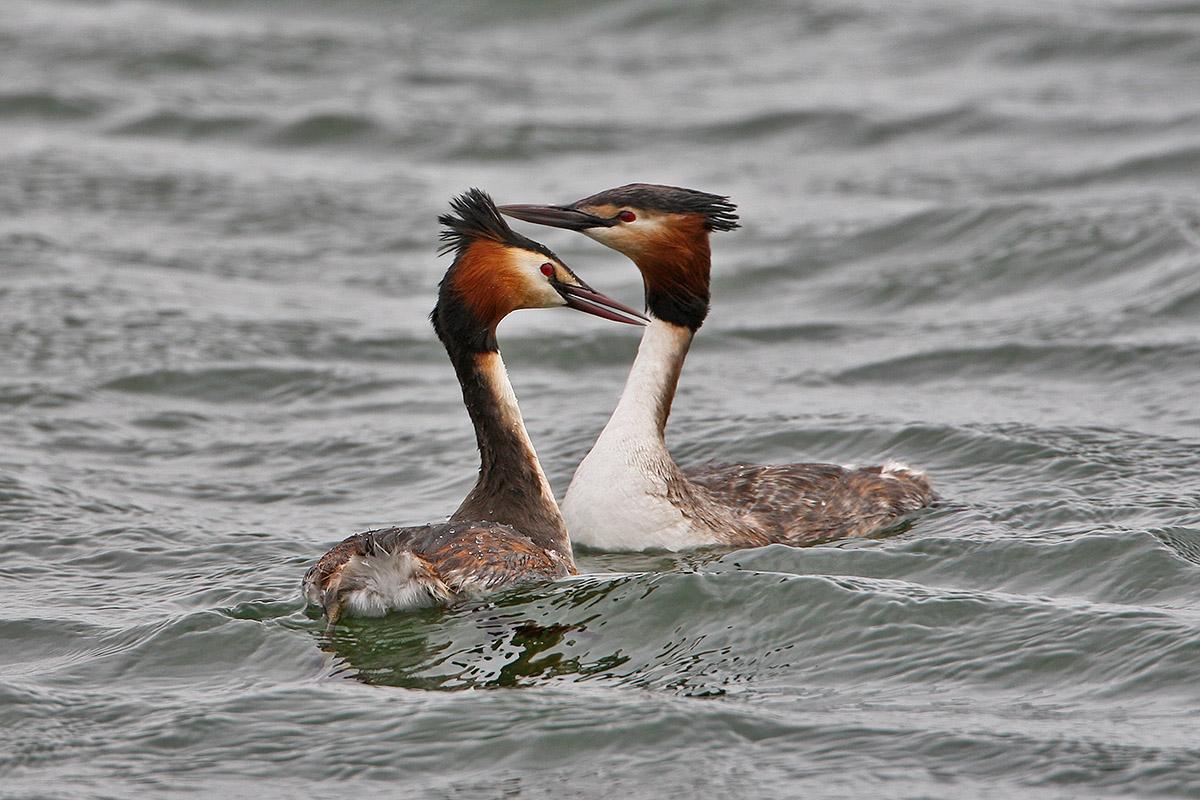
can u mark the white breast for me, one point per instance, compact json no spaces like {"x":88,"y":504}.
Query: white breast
{"x":618,"y":500}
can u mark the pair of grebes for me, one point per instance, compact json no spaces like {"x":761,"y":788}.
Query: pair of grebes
{"x":628,"y":493}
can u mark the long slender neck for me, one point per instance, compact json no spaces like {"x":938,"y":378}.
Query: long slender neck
{"x":511,"y":489}
{"x":676,"y":275}
{"x":646,"y":399}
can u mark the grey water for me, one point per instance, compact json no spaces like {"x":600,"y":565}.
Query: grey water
{"x":970,"y":242}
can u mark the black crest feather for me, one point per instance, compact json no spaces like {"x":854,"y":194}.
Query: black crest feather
{"x":477,"y":218}
{"x":718,"y":211}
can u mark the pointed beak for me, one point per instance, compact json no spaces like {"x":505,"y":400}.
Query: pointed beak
{"x":556,"y":216}
{"x":584,"y":298}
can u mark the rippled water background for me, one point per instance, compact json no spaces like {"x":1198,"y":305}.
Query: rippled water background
{"x":971,"y":241}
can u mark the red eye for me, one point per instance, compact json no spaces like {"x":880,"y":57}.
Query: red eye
{"x":627,"y":216}
{"x":547,"y":269}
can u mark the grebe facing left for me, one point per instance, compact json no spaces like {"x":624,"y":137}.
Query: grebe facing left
{"x":509,"y":528}
{"x":629,"y":494}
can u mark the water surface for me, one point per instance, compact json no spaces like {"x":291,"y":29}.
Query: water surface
{"x":971,"y":241}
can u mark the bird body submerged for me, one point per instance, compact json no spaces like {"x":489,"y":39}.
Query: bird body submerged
{"x":628,"y":493}
{"x":509,"y":528}
{"x":391,"y":569}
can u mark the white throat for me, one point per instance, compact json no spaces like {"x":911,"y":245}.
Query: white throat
{"x":492,"y":367}
{"x":649,"y":390}
{"x":619,"y":498}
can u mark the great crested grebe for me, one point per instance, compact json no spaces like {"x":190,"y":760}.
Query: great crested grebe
{"x":628,"y":493}
{"x":509,"y":528}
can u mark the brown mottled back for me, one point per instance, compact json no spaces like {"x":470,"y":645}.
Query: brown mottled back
{"x":808,"y":503}
{"x":455,"y":557}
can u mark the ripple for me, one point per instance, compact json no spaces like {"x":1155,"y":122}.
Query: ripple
{"x":47,"y":106}
{"x":702,"y":633}
{"x":329,"y":128}
{"x":1093,"y":362}
{"x":37,"y":396}
{"x":1183,"y":542}
{"x":851,"y":128}
{"x":1128,"y":569}
{"x":235,"y":384}
{"x":969,"y":241}
{"x":1002,"y":251}
{"x":1170,"y":165}
{"x":187,"y":126}
{"x":1105,"y":44}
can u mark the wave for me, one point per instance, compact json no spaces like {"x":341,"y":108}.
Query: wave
{"x":1171,"y":164}
{"x":326,"y":128}
{"x":47,"y":106}
{"x":1127,"y":257}
{"x":187,"y":126}
{"x":1105,"y":363}
{"x":37,"y":395}
{"x":850,"y":127}
{"x":1093,"y":43}
{"x":752,"y":622}
{"x":439,"y":135}
{"x":969,"y":241}
{"x":238,"y":384}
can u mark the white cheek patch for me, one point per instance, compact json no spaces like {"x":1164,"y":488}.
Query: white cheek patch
{"x":629,"y":237}
{"x":543,"y":295}
{"x":616,"y":238}
{"x":536,"y":291}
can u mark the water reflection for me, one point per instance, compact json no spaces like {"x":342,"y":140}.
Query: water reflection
{"x":522,"y":637}
{"x":677,"y":627}
{"x":483,"y":648}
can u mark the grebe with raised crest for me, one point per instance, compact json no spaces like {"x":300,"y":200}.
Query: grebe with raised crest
{"x":628,"y":493}
{"x":509,"y":528}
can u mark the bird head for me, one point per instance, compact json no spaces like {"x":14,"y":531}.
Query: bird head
{"x":663,"y":229}
{"x":497,"y":271}
{"x":638,"y":219}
